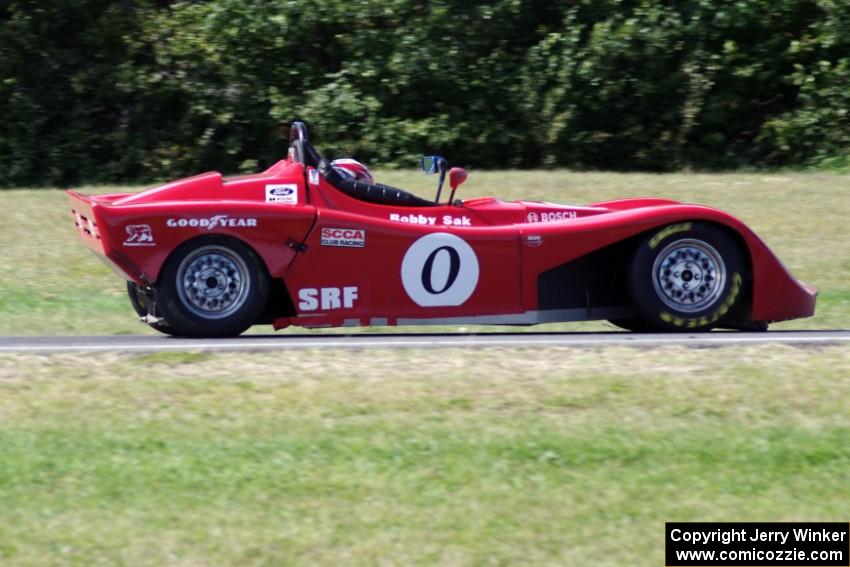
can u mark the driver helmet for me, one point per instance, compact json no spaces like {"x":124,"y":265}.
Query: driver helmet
{"x":353,"y":169}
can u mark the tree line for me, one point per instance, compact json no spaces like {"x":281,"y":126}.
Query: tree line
{"x":136,"y":90}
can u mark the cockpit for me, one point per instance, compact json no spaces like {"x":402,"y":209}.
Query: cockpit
{"x":302,"y":151}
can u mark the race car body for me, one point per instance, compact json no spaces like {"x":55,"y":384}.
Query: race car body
{"x":300,"y":244}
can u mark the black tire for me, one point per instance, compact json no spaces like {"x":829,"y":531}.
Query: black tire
{"x":688,"y":276}
{"x":212,"y":287}
{"x":141,"y":302}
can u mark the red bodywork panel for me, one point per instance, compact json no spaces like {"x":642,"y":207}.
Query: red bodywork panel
{"x":349,"y":262}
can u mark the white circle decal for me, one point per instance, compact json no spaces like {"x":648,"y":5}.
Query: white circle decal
{"x":439,"y":269}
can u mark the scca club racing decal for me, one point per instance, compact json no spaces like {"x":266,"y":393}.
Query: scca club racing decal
{"x":343,"y":237}
{"x":139,"y":235}
{"x":286,"y":194}
{"x":439,"y":269}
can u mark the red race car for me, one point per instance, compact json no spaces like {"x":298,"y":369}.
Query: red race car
{"x":319,"y":244}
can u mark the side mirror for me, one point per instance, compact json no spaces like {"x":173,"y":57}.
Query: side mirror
{"x":428,"y":164}
{"x":457,"y":175}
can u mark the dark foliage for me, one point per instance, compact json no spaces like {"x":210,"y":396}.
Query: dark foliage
{"x":100,"y":90}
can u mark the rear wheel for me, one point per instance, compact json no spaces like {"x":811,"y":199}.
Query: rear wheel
{"x":212,"y":287}
{"x":686,"y":277}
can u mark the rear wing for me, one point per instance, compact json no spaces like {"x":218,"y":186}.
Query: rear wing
{"x":83,"y":209}
{"x":95,"y":234}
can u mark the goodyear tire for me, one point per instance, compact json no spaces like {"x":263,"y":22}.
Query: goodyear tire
{"x":212,"y":287}
{"x":141,"y":302}
{"x":686,"y":277}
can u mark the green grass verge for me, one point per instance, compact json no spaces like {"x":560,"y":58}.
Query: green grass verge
{"x":50,"y":284}
{"x":496,"y":457}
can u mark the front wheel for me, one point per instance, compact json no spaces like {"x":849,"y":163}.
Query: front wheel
{"x":212,"y":287}
{"x":687,"y":277}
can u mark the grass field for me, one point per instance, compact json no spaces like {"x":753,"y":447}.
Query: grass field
{"x":449,"y":457}
{"x":50,"y":284}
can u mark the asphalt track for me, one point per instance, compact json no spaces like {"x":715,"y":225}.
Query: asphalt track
{"x":148,"y":343}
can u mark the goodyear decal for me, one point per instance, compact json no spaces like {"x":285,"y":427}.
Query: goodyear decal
{"x":672,"y":229}
{"x":695,"y":322}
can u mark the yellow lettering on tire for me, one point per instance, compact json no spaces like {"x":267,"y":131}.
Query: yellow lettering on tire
{"x":672,"y":229}
{"x":693,"y":323}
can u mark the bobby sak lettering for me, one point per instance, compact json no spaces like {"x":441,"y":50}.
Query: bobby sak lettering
{"x":755,"y":543}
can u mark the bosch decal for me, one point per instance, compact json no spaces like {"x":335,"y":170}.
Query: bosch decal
{"x":139,"y":235}
{"x":343,"y":237}
{"x":551,"y":217}
{"x":209,"y":223}
{"x":286,"y":194}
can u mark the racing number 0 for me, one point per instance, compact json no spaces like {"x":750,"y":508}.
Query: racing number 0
{"x":428,"y":270}
{"x":439,"y":269}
